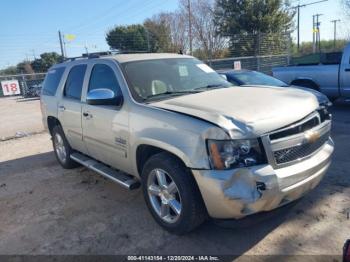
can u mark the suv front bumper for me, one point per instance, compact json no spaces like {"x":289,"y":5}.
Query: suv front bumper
{"x":245,"y":191}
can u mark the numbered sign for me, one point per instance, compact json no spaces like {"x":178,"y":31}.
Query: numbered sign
{"x":10,"y":87}
{"x":237,"y":65}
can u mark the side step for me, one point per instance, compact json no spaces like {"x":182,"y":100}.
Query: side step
{"x":122,"y":179}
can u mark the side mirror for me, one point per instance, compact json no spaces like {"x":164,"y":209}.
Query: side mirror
{"x":103,"y":96}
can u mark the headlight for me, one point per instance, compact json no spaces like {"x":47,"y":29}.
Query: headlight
{"x":228,"y":154}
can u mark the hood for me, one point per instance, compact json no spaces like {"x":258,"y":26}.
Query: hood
{"x":322,"y":99}
{"x":245,"y":111}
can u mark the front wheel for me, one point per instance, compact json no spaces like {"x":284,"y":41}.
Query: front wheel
{"x":62,"y":148}
{"x":172,"y":195}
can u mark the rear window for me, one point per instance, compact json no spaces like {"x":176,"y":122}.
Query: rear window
{"x":52,"y":80}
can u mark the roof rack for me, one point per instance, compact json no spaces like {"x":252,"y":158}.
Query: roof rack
{"x":103,"y":53}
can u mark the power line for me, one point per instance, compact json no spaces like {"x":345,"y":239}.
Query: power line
{"x":298,"y":15}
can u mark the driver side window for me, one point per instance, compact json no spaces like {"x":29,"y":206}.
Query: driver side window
{"x":103,"y":76}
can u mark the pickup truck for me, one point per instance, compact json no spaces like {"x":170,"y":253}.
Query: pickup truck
{"x":198,"y":147}
{"x":332,"y":80}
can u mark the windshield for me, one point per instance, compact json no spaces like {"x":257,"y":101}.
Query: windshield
{"x":256,"y":78}
{"x":160,"y":79}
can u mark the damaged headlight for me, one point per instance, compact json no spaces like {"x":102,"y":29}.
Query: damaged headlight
{"x":228,"y":154}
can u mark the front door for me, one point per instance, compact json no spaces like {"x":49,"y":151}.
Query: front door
{"x":105,"y":128}
{"x":69,"y":107}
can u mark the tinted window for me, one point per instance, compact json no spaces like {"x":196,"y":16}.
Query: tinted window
{"x":74,"y":82}
{"x":102,"y":76}
{"x":52,"y":80}
{"x":257,"y":78}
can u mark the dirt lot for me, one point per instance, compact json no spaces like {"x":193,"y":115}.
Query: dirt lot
{"x":48,"y":210}
{"x":19,"y":116}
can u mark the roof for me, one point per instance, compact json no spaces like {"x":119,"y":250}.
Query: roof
{"x":123,"y":58}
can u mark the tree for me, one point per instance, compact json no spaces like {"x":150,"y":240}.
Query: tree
{"x":45,"y":61}
{"x":128,"y":38}
{"x":25,"y":68}
{"x":11,"y":70}
{"x":245,"y":21}
{"x":159,"y":33}
{"x":206,"y":42}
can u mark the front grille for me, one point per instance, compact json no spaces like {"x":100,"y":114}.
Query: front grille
{"x":311,"y":123}
{"x":301,"y":151}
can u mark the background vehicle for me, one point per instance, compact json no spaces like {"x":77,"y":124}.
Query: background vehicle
{"x":197,"y":146}
{"x":332,"y":80}
{"x":254,"y":78}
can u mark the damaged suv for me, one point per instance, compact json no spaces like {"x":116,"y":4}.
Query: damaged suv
{"x":198,"y":146}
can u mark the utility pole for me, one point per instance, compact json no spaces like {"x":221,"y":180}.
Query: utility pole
{"x":313,"y":34}
{"x":189,"y":24}
{"x":298,"y":15}
{"x":33,"y":52}
{"x":86,"y":49}
{"x":148,"y":43}
{"x":298,"y":10}
{"x":335,"y":31}
{"x":318,"y":33}
{"x":61,"y":43}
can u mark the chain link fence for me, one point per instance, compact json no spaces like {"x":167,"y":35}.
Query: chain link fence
{"x":260,"y":52}
{"x":27,"y":85}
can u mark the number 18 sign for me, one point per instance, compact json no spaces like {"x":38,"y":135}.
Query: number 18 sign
{"x":10,"y":87}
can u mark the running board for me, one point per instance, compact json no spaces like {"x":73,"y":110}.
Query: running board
{"x":122,"y":179}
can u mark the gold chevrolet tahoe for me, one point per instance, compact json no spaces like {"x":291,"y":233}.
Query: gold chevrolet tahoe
{"x":197,"y":145}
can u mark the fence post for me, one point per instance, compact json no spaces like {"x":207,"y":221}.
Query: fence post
{"x":24,"y":86}
{"x":258,"y":53}
{"x":289,"y":51}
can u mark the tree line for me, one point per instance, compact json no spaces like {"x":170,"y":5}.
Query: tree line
{"x":218,"y":28}
{"x":38,"y":65}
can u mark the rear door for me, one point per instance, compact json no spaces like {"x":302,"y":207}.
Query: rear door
{"x":69,"y":107}
{"x":105,"y":127}
{"x":48,"y":99}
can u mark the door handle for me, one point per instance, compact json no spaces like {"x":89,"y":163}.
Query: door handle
{"x":87,"y":115}
{"x":61,"y":108}
{"x":347,"y":69}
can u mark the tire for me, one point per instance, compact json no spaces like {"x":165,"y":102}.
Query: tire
{"x":175,"y":203}
{"x":62,"y":148}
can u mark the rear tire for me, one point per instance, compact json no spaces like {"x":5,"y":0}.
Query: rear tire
{"x":172,"y":195}
{"x":62,"y":148}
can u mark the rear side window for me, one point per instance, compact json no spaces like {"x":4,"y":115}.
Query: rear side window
{"x":74,"y":83}
{"x":103,"y":76}
{"x":52,"y":81}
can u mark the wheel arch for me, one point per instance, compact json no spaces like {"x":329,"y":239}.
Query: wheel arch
{"x":146,"y":150}
{"x":306,"y":82}
{"x":52,"y":122}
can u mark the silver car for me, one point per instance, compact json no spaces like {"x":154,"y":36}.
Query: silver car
{"x":198,"y":147}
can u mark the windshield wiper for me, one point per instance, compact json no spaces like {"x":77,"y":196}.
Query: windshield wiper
{"x":171,"y":93}
{"x":210,"y":86}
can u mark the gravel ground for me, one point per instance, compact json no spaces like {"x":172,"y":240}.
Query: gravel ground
{"x":19,"y":117}
{"x":48,"y":210}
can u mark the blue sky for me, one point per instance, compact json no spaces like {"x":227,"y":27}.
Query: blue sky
{"x":30,"y":27}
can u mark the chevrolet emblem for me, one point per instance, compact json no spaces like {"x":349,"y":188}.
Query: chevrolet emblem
{"x":312,"y":136}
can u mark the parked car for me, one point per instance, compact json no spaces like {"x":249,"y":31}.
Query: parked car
{"x":254,"y":78}
{"x":332,"y":80}
{"x":198,"y":147}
